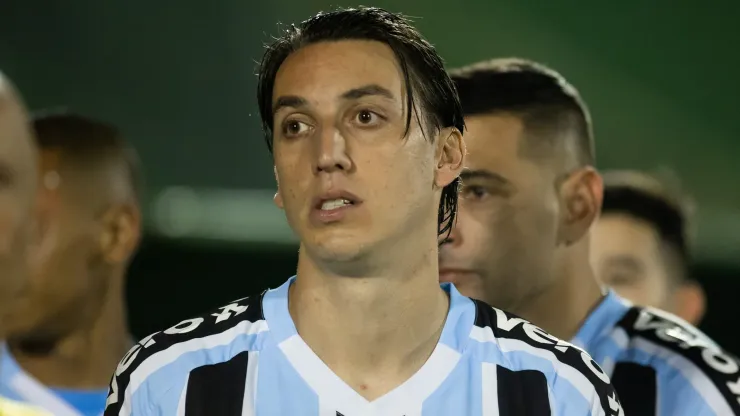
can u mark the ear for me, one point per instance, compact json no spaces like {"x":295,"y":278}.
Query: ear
{"x":46,"y":209}
{"x":689,"y":302}
{"x":277,"y":199}
{"x":581,"y":195}
{"x":450,"y":156}
{"x":121,"y":233}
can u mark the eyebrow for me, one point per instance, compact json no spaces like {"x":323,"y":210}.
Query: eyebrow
{"x":372,"y":89}
{"x":295,"y":101}
{"x":469,"y":174}
{"x":289,"y":101}
{"x":623,"y":261}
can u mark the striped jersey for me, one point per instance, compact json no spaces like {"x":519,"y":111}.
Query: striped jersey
{"x":659,"y":364}
{"x":246,"y":358}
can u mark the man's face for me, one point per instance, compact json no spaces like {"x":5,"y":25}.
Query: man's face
{"x":347,"y":178}
{"x":504,"y":240}
{"x":626,"y":254}
{"x":65,"y":283}
{"x":17,"y":193}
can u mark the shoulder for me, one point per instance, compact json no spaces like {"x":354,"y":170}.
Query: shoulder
{"x":514,"y":334}
{"x":681,"y":355}
{"x":165,"y":358}
{"x":12,"y":408}
{"x":525,"y":346}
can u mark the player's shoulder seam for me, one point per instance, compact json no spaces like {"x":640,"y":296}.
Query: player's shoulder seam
{"x":507,"y":326}
{"x":238,"y":317}
{"x":663,"y":330}
{"x":657,"y":333}
{"x":512,"y":333}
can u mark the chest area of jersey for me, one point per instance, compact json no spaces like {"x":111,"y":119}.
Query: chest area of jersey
{"x":283,"y":382}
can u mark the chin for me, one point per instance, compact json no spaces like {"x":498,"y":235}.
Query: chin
{"x":337,"y":247}
{"x":336,"y":251}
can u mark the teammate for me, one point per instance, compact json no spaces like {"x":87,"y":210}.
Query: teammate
{"x":365,"y":129}
{"x":521,"y":242}
{"x":18,"y":171}
{"x":641,"y":246}
{"x":66,"y":336}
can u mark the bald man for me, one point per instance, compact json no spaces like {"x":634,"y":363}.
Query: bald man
{"x":69,"y":333}
{"x":18,"y":186}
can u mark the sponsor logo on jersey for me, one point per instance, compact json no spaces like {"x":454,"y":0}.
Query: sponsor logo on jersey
{"x":539,"y":335}
{"x":663,"y":328}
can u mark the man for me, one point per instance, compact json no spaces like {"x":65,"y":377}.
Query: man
{"x":521,"y":242}
{"x":18,"y":164}
{"x":365,"y":129}
{"x":640,"y":245}
{"x":66,"y":336}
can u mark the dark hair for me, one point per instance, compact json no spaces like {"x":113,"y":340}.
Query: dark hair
{"x":544,"y":101}
{"x":85,"y":141}
{"x":423,"y":71}
{"x":649,"y":199}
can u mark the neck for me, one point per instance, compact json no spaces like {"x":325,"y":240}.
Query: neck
{"x":389,"y":322}
{"x":563,"y":308}
{"x":86,"y":357}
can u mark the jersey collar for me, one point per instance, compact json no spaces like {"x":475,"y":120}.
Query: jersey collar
{"x":455,"y":334}
{"x":405,"y":399}
{"x":601,"y":320}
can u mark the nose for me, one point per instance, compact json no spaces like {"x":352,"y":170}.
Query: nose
{"x":332,"y":152}
{"x":454,"y":239}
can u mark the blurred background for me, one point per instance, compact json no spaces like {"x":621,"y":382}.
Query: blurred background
{"x":660,"y":78}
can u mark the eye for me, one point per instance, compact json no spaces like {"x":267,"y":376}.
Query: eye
{"x":292,"y":128}
{"x":366,"y":118}
{"x":620,"y":279}
{"x":6,"y":176}
{"x":474,"y":192}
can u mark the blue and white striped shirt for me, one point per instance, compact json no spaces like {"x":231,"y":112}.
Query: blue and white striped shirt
{"x":246,"y":358}
{"x":659,"y":364}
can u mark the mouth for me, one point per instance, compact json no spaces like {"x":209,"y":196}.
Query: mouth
{"x":333,"y":206}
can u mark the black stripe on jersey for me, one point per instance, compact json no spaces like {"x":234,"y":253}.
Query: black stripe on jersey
{"x":669,"y":332}
{"x":217,"y":389}
{"x":214,"y":322}
{"x":638,"y":388}
{"x":508,"y":326}
{"x":522,"y":393}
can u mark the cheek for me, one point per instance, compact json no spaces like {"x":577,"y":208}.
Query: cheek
{"x":639,"y":293}
{"x":12,"y":223}
{"x":537,"y":217}
{"x":394,"y":175}
{"x":291,"y":182}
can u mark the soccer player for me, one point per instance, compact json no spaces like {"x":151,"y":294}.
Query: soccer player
{"x":530,"y":195}
{"x":640,"y":245}
{"x":67,"y":334}
{"x":365,"y":130}
{"x":18,"y":171}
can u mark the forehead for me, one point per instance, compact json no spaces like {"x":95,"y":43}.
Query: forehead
{"x":325,"y":70}
{"x":493,"y":140}
{"x":625,"y":234}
